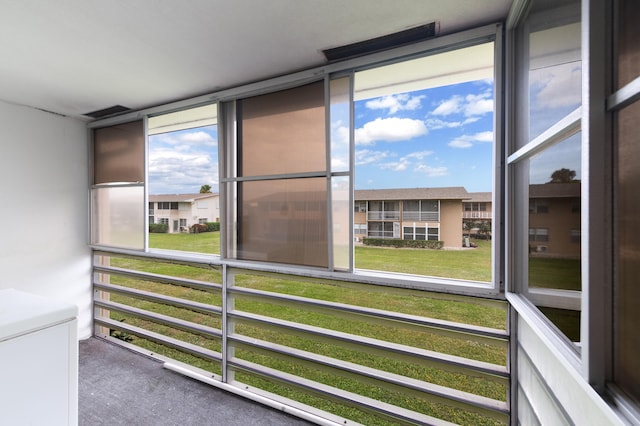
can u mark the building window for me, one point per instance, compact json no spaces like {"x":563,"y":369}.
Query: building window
{"x":538,"y":206}
{"x":576,"y":236}
{"x":539,"y":235}
{"x":360,"y":207}
{"x":164,"y":221}
{"x":202,"y":220}
{"x":183,"y":223}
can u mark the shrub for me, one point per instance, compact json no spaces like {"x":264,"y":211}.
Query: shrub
{"x":197,"y":228}
{"x":158,"y":228}
{"x":398,"y":243}
{"x":213,"y":226}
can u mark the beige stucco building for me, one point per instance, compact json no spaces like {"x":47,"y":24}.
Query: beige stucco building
{"x":181,"y":211}
{"x":410,"y":214}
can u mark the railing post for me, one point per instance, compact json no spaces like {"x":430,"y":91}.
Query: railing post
{"x":227,"y":326}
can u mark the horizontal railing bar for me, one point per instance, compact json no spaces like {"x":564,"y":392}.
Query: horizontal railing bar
{"x":170,"y":256}
{"x":178,"y":323}
{"x":386,"y":281}
{"x":165,"y":279}
{"x":158,"y":298}
{"x":493,"y":371}
{"x":196,"y":350}
{"x":330,"y":392}
{"x":446,"y":395}
{"x":488,"y":335}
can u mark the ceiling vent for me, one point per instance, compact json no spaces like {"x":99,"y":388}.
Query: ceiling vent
{"x":402,"y":38}
{"x":116,"y":109}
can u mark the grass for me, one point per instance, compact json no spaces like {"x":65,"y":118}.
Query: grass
{"x":472,"y":264}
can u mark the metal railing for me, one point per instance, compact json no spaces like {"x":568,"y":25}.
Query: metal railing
{"x":348,"y":352}
{"x":476,"y":215}
{"x":421,"y":216}
{"x":383,"y":215}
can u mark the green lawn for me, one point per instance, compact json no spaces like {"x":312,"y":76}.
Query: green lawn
{"x":474,"y":264}
{"x":469,"y":264}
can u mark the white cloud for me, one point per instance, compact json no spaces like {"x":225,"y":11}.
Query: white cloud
{"x":396,"y":166}
{"x":467,"y":141}
{"x":478,"y":104}
{"x":556,"y":87}
{"x":198,"y":137}
{"x":419,"y":155}
{"x":367,"y":156}
{"x":389,"y":130}
{"x":432,"y":171}
{"x":395,"y":103}
{"x":436,"y":123}
{"x":448,"y":107}
{"x":470,"y":106}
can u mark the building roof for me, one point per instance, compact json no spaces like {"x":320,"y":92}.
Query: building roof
{"x":448,"y":193}
{"x":187,"y":198}
{"x":555,"y":190}
{"x":479,"y":197}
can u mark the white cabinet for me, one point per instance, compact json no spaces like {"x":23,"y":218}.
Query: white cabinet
{"x":38,"y":361}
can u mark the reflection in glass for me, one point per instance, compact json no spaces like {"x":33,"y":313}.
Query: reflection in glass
{"x":554,"y":227}
{"x":341,"y":217}
{"x":340,"y":113}
{"x":283,"y":221}
{"x":627,"y":251}
{"x":555,"y":75}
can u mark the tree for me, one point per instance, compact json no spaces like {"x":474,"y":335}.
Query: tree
{"x":205,"y":189}
{"x":563,"y":176}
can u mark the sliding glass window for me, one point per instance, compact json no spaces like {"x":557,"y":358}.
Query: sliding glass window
{"x":545,"y":166}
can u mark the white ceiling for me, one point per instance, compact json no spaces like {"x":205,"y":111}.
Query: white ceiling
{"x":75,"y":56}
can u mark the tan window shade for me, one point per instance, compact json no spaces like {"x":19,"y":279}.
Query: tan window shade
{"x":627,"y":287}
{"x":283,"y":132}
{"x":628,"y":46}
{"x":284,"y":221}
{"x":118,"y":153}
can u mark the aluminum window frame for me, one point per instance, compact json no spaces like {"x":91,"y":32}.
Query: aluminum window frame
{"x":483,"y":34}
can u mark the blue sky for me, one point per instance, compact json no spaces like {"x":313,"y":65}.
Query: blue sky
{"x":181,"y":162}
{"x":430,"y":138}
{"x":436,"y":137}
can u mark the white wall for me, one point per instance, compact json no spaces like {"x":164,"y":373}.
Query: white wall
{"x":44,"y":212}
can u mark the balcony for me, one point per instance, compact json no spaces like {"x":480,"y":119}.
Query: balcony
{"x":120,"y":387}
{"x":334,"y":351}
{"x":476,"y":215}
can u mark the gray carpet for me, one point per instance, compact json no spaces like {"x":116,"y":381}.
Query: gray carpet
{"x":120,"y":387}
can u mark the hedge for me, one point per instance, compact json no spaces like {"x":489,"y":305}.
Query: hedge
{"x":213,"y":226}
{"x":158,"y":228}
{"x":393,"y":242}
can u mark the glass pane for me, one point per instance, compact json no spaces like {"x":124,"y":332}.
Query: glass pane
{"x":183,"y":181}
{"x":554,"y":225}
{"x":628,"y":61}
{"x":340,"y":113}
{"x":627,"y":254}
{"x":118,"y":153}
{"x":424,"y":142}
{"x":283,"y":132}
{"x":283,"y":221}
{"x":341,"y":222}
{"x":118,"y":216}
{"x":555,"y":75}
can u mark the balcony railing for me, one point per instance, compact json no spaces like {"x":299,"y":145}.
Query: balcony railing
{"x":347,"y":350}
{"x":383,"y":215}
{"x":476,"y":215}
{"x":420,"y":216}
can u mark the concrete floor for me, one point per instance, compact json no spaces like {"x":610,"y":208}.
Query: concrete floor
{"x":120,"y":387}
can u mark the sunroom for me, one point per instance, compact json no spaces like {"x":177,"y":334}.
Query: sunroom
{"x":285,"y":109}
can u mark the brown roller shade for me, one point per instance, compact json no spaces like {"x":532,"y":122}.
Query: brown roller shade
{"x":118,"y":153}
